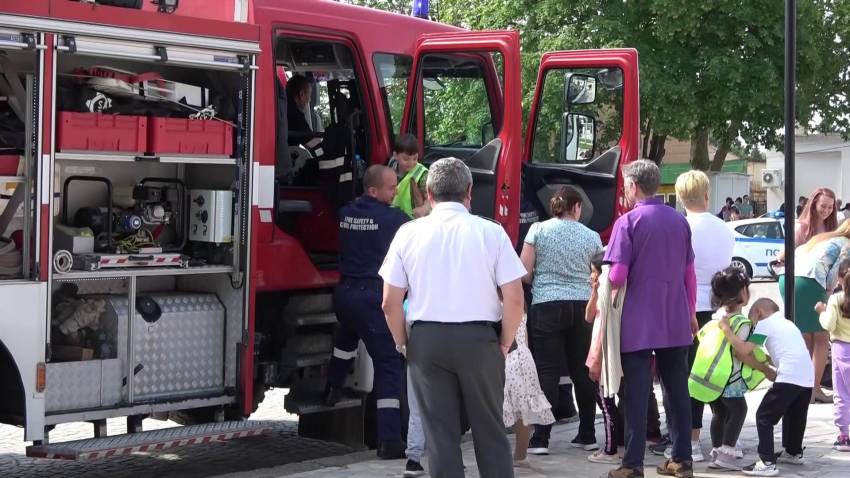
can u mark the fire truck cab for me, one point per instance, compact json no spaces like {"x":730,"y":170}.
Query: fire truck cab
{"x":169,"y":238}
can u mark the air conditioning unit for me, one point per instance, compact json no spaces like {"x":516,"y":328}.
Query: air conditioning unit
{"x":771,"y":178}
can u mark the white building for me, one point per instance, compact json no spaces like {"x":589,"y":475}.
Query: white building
{"x":820,"y":161}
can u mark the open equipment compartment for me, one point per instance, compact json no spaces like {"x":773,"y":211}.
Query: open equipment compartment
{"x":19,"y":106}
{"x":152,"y":143}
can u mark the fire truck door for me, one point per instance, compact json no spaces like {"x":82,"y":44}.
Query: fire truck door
{"x":464,"y":100}
{"x":584,"y":126}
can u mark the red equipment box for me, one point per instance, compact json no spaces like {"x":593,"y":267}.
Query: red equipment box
{"x":100,"y":132}
{"x":190,"y":136}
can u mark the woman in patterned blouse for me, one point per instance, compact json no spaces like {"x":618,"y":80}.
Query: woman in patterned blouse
{"x":557,"y":254}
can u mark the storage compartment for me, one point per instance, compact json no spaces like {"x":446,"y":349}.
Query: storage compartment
{"x":190,"y":136}
{"x":81,"y":385}
{"x":83,"y":326}
{"x":179,"y":350}
{"x":101,"y":132}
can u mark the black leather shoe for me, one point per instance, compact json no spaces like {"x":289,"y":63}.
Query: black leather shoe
{"x":332,"y":396}
{"x":391,"y":450}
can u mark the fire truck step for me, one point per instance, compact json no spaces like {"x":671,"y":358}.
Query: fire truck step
{"x":150,"y":441}
{"x":308,"y":397}
{"x":309,"y":304}
{"x":306,"y":407}
{"x":315,"y":319}
{"x":304,"y":361}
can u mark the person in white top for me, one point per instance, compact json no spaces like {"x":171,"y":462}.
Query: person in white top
{"x":788,"y":398}
{"x":452,"y":266}
{"x":713,"y":243}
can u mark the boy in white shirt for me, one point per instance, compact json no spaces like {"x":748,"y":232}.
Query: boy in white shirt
{"x":788,"y":398}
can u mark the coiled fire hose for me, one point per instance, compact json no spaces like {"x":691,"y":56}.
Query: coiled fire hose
{"x":62,"y":261}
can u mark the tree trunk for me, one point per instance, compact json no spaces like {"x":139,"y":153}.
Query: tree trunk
{"x":656,"y":149}
{"x":647,"y":136}
{"x":699,"y":148}
{"x":723,"y":147}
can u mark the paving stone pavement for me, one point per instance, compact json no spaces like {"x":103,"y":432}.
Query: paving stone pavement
{"x":280,"y":447}
{"x":565,"y":461}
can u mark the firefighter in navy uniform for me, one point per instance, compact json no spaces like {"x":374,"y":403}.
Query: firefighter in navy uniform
{"x":367,"y":226}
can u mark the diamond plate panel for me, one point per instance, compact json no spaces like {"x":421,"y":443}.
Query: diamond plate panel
{"x":182,"y":352}
{"x":73,"y":385}
{"x":110,"y":386}
{"x":232,"y":299}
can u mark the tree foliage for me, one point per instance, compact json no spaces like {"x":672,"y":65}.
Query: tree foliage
{"x":711,"y":71}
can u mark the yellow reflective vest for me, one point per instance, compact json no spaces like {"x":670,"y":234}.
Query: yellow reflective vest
{"x":714,"y":362}
{"x":404,"y":196}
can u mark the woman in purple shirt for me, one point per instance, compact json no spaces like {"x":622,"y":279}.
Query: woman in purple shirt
{"x":650,"y":252}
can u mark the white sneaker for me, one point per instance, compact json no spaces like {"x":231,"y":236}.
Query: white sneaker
{"x":785,"y":457}
{"x":696,"y":452}
{"x":600,"y":456}
{"x":761,"y":468}
{"x":725,"y":460}
{"x":739,"y":450}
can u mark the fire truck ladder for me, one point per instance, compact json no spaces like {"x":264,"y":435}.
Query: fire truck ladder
{"x":150,"y":441}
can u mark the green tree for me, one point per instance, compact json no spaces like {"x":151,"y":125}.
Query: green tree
{"x":711,"y":71}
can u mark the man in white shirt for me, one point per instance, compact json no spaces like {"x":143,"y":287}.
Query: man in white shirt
{"x":452,"y":265}
{"x":713,"y":244}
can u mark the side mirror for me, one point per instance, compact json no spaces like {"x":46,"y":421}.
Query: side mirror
{"x":580,"y":137}
{"x":488,"y":133}
{"x":581,"y":89}
{"x":610,"y":78}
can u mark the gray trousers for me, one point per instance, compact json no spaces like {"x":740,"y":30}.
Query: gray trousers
{"x":455,"y":365}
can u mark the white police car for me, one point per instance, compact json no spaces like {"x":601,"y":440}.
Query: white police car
{"x":758,"y":242}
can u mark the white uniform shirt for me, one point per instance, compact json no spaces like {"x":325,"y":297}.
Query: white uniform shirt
{"x":452,"y":264}
{"x":713,"y":244}
{"x":787,"y":349}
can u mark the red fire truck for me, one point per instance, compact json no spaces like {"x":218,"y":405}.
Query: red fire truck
{"x":169,"y":244}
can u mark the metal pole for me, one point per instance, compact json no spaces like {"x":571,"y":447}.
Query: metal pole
{"x":790,"y":126}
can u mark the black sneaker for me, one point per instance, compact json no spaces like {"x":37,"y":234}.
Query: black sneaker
{"x":584,"y":444}
{"x":413,"y":469}
{"x":761,"y":468}
{"x":391,"y":450}
{"x":660,"y":447}
{"x":538,"y":446}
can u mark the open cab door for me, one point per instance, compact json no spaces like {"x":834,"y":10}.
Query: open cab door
{"x":464,"y":101}
{"x":584,"y":126}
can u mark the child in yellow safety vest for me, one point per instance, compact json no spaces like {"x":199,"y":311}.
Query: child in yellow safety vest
{"x":410,"y":197}
{"x":719,"y":375}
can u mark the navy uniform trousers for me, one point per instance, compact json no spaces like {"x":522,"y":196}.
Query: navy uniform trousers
{"x":357,"y":303}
